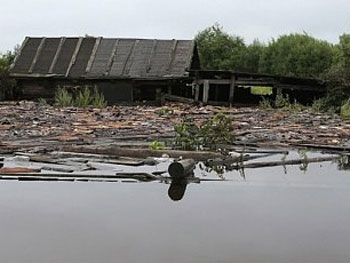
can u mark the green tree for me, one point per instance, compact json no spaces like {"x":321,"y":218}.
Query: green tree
{"x":219,"y":50}
{"x":251,"y":57}
{"x":7,"y":85}
{"x":6,"y":60}
{"x":297,"y":55}
{"x":338,"y":76}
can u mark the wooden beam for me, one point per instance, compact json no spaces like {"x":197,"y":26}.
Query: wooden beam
{"x":93,"y":55}
{"x":130,"y":54}
{"x":74,"y":56}
{"x":58,"y":52}
{"x":172,"y":55}
{"x":149,"y":63}
{"x":37,"y":55}
{"x":111,"y":58}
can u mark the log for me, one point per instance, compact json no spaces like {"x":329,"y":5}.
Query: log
{"x":142,"y":153}
{"x":178,"y":99}
{"x":18,"y":170}
{"x":287,"y":162}
{"x":323,"y":147}
{"x":182,"y":169}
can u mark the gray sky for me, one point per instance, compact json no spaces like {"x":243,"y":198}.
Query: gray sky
{"x":179,"y":19}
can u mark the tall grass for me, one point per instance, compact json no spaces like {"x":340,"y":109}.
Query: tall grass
{"x":84,"y":98}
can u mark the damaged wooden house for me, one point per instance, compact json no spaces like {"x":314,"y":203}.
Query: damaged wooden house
{"x":139,"y":70}
{"x":123,"y":70}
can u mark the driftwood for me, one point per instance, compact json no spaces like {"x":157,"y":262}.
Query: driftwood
{"x":143,"y":177}
{"x":142,"y":153}
{"x":323,"y":147}
{"x":178,"y":99}
{"x":286,"y":162}
{"x":17,"y":170}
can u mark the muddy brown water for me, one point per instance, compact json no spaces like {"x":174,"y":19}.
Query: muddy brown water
{"x":270,"y":216}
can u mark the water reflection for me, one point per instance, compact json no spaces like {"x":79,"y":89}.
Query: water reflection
{"x":177,"y":189}
{"x":344,"y":162}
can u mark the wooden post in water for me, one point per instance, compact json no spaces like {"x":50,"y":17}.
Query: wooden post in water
{"x":181,"y":169}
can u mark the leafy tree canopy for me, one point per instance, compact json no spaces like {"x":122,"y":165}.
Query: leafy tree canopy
{"x":219,"y":50}
{"x":298,"y":55}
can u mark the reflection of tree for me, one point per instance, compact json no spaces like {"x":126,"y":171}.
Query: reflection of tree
{"x":344,"y":162}
{"x":223,"y":165}
{"x":304,"y":164}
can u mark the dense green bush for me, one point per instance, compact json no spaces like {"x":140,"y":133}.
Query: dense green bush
{"x":297,"y":55}
{"x":7,"y":85}
{"x":337,"y":77}
{"x":215,"y":131}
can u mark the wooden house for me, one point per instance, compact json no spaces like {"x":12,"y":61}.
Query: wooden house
{"x":124,"y":70}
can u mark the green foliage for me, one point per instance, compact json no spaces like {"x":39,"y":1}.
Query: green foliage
{"x":338,"y":76}
{"x":251,"y":57}
{"x":63,"y":98}
{"x":261,"y":90}
{"x":297,"y":55}
{"x":157,"y":145}
{"x":42,"y":102}
{"x":7,"y":85}
{"x":84,"y":98}
{"x":99,"y":100}
{"x":6,"y":60}
{"x":265,"y":103}
{"x":345,"y":111}
{"x":282,"y":101}
{"x":165,"y":111}
{"x":215,"y":131}
{"x":219,"y":50}
{"x":187,"y":135}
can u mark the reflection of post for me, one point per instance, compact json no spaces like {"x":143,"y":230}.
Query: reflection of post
{"x":181,"y":169}
{"x":177,"y":189}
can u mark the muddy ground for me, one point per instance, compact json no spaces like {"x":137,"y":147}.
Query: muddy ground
{"x":29,"y":126}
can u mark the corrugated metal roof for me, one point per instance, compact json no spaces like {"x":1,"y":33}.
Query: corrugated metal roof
{"x":93,"y":58}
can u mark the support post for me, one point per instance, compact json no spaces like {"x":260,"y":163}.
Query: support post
{"x":232,"y":89}
{"x":206,"y":87}
{"x":196,"y":87}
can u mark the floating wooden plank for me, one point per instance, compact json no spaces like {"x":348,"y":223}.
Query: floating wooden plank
{"x":18,"y":170}
{"x":287,"y":162}
{"x":142,"y":153}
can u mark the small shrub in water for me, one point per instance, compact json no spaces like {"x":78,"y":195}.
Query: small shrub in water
{"x":157,"y":145}
{"x":217,"y":130}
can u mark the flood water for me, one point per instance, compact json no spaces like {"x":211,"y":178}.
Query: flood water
{"x":270,"y":216}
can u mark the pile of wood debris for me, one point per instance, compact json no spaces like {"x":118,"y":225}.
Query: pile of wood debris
{"x":29,"y":126}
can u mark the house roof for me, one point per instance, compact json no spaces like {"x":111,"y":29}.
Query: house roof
{"x":95,"y":58}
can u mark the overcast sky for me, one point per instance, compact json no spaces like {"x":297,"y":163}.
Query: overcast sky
{"x":179,"y":19}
